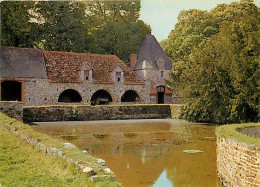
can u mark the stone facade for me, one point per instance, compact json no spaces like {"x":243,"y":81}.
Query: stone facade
{"x":153,"y":66}
{"x":238,"y":163}
{"x":42,"y":92}
{"x":58,"y":78}
{"x":82,"y":113}
{"x":12,"y":109}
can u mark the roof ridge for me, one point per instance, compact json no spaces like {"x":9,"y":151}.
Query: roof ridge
{"x":77,"y":53}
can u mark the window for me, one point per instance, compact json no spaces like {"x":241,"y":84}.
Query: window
{"x":118,"y":76}
{"x":86,"y":74}
{"x":161,"y":73}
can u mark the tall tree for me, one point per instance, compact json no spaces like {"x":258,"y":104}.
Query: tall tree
{"x":116,"y":28}
{"x":219,"y":76}
{"x":107,"y":27}
{"x":17,"y":28}
{"x":63,"y":25}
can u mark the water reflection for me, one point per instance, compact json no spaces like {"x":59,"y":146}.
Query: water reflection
{"x":163,"y":181}
{"x":146,"y":152}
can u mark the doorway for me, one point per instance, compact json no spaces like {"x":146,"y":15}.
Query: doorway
{"x":11,"y":91}
{"x":160,"y":94}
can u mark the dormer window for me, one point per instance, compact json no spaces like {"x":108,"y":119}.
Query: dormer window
{"x":86,"y":72}
{"x":118,"y":76}
{"x":86,"y":75}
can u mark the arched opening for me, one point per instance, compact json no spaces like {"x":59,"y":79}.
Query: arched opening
{"x":101,"y":97}
{"x":130,"y":96}
{"x":11,"y":91}
{"x":70,"y":96}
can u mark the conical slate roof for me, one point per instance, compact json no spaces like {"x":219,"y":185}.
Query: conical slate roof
{"x":149,"y":52}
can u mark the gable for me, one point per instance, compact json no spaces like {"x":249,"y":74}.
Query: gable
{"x":86,"y":66}
{"x":119,"y":68}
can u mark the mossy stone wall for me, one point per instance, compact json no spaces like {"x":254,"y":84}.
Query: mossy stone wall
{"x":84,"y":112}
{"x":12,"y":109}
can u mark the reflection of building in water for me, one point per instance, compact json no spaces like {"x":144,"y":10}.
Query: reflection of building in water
{"x":143,"y":158}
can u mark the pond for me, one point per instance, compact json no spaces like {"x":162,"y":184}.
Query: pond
{"x":146,"y":152}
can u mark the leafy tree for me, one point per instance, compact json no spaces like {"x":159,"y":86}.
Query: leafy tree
{"x":116,"y":28}
{"x":120,"y":38}
{"x":106,"y":27}
{"x":17,"y":30}
{"x":63,"y":25}
{"x":219,"y":75}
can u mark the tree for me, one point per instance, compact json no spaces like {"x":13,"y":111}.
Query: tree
{"x":63,"y":25}
{"x":120,"y":38}
{"x":219,"y":75}
{"x":106,"y":27}
{"x":116,"y":28}
{"x":17,"y":30}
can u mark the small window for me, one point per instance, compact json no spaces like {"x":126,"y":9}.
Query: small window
{"x":118,"y":76}
{"x":161,"y":73}
{"x":86,"y":75}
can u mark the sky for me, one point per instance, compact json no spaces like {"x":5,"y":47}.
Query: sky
{"x":162,"y":15}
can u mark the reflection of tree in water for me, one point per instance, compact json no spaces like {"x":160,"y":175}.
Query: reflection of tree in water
{"x":140,"y":158}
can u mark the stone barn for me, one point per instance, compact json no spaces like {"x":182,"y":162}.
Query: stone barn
{"x":37,"y":77}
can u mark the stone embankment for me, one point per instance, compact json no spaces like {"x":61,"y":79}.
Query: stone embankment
{"x":85,"y":112}
{"x":13,"y":109}
{"x":238,"y":163}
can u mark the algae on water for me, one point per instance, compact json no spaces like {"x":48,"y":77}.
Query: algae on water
{"x":192,"y":151}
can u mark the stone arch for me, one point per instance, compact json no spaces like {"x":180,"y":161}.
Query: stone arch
{"x":70,"y":96}
{"x":101,"y":97}
{"x":11,"y":91}
{"x":130,"y":96}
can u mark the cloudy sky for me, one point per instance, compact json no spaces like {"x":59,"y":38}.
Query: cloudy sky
{"x":162,"y":15}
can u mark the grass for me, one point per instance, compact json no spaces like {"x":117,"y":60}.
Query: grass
{"x":230,"y":131}
{"x":22,"y":164}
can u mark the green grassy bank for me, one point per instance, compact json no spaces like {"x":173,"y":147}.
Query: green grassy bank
{"x":231,"y":132}
{"x":24,"y":164}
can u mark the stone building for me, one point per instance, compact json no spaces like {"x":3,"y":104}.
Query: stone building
{"x":152,"y":66}
{"x":38,"y":77}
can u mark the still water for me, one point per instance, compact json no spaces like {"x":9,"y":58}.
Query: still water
{"x":146,"y":152}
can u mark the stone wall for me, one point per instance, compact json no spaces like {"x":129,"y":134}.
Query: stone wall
{"x":85,"y":112}
{"x":12,"y":109}
{"x":41,"y":92}
{"x":238,"y":163}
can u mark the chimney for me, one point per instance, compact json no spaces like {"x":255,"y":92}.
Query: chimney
{"x":133,"y":58}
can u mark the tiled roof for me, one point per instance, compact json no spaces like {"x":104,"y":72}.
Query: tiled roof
{"x":167,"y":91}
{"x":154,"y":91}
{"x":149,"y":52}
{"x":64,"y":67}
{"x":22,"y":63}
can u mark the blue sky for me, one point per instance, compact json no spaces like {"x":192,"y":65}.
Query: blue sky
{"x":162,"y":15}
